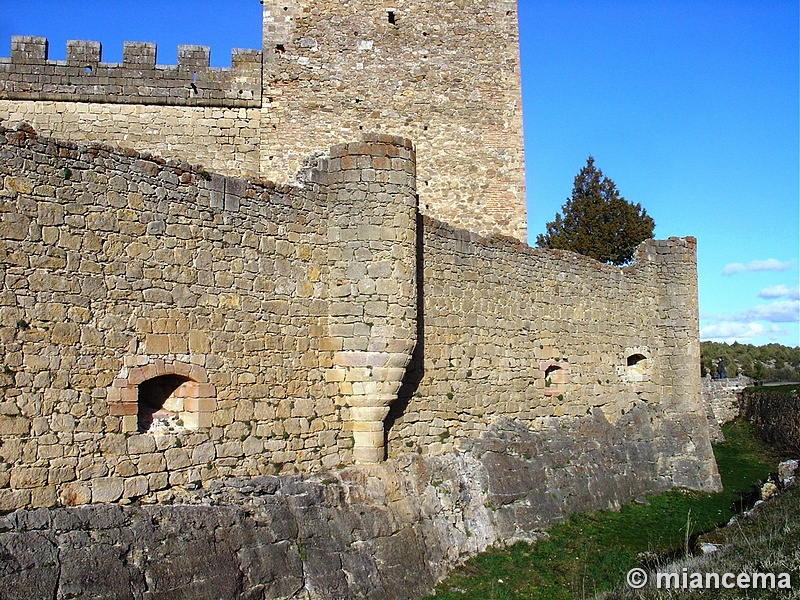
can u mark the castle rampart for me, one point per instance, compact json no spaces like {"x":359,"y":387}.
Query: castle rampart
{"x":279,"y":324}
{"x":444,"y":74}
{"x":83,"y":77}
{"x":165,"y":329}
{"x":354,"y":393}
{"x":551,"y":336}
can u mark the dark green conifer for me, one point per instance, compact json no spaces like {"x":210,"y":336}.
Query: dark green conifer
{"x":597,"y":221}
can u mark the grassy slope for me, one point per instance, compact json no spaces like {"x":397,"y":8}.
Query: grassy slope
{"x":766,"y":541}
{"x":591,"y":552}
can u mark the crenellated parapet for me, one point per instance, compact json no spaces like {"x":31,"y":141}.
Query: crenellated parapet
{"x":445,"y":74}
{"x":29,"y":75}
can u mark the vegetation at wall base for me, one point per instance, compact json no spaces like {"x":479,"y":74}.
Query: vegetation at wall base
{"x":774,"y":411}
{"x":591,"y":552}
{"x":767,"y":541}
{"x":771,"y":362}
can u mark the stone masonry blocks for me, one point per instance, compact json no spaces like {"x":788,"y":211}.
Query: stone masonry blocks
{"x":139,"y":54}
{"x":196,"y":398}
{"x":83,"y":77}
{"x":375,"y":75}
{"x":290,"y":325}
{"x":374,"y":367}
{"x":470,"y":144}
{"x":276,"y":329}
{"x":28,"y":49}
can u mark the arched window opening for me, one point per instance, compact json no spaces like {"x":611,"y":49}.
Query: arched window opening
{"x":636,"y":366}
{"x":160,"y":398}
{"x":548,"y":373}
{"x":554,"y":376}
{"x":635,"y":359}
{"x":175,"y":393}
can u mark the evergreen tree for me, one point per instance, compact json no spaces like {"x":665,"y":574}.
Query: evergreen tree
{"x":597,"y":221}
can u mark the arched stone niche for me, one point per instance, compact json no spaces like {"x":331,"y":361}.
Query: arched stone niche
{"x":637,"y":365}
{"x":554,"y":376}
{"x":160,"y":388}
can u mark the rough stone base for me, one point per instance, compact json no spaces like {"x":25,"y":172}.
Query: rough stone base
{"x":382,"y":531}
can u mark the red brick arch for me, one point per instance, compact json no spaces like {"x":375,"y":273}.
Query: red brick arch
{"x":194,"y":399}
{"x":554,"y":376}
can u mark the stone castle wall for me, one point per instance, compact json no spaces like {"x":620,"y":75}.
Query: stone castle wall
{"x":444,"y":74}
{"x":369,"y":393}
{"x":723,"y":397}
{"x":722,"y":401}
{"x":84,"y":77}
{"x":120,"y":268}
{"x":188,"y":111}
{"x":544,"y":337}
{"x":222,"y":139}
{"x":286,"y":332}
{"x":288,"y":320}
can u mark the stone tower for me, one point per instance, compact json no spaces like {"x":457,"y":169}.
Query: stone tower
{"x":442,"y":73}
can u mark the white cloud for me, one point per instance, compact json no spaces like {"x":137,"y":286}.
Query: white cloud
{"x":754,"y":324}
{"x":780,"y":291}
{"x":771,"y":264}
{"x":727,"y":331}
{"x":784,"y":311}
{"x":744,"y":333}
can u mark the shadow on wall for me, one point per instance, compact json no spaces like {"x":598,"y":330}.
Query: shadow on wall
{"x":159,"y":398}
{"x":416,"y":368}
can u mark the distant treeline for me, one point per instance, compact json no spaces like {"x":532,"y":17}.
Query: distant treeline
{"x":772,"y":362}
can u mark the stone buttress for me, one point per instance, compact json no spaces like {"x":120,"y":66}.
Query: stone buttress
{"x":372,"y":253}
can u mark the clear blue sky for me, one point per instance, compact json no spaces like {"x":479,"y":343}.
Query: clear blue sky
{"x":690,"y":106}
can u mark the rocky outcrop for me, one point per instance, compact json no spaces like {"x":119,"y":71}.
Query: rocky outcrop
{"x":384,"y":531}
{"x":288,"y":539}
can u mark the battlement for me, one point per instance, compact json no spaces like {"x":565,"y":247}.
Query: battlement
{"x":168,"y":327}
{"x":29,"y":75}
{"x":445,"y":74}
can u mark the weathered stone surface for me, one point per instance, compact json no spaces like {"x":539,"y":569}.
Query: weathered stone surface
{"x":29,"y":569}
{"x":471,"y":332}
{"x":444,"y":74}
{"x":91,"y":568}
{"x":74,"y":494}
{"x":722,"y":401}
{"x":166,"y":329}
{"x":190,"y":83}
{"x":194,"y":551}
{"x":107,"y":489}
{"x":384,"y":532}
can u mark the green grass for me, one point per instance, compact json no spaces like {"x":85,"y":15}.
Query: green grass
{"x":591,"y":552}
{"x":784,"y":389}
{"x":766,"y":541}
